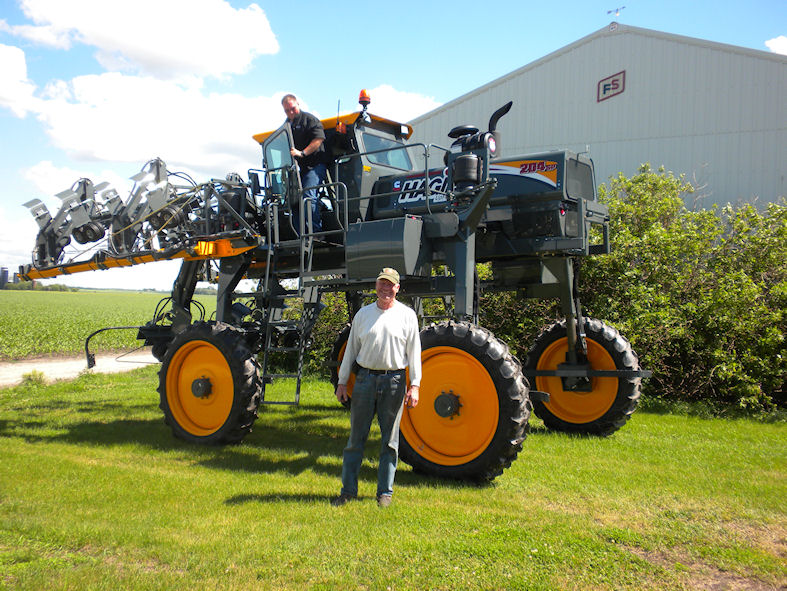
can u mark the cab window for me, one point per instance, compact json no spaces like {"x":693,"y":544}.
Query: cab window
{"x":277,"y":151}
{"x":396,"y":158}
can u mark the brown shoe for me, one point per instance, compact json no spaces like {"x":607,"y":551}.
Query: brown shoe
{"x":342,"y":499}
{"x":384,"y":501}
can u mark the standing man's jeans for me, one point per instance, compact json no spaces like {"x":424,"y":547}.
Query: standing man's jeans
{"x":311,"y":178}
{"x":385,"y":395}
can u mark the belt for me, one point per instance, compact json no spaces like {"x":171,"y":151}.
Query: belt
{"x":381,"y":372}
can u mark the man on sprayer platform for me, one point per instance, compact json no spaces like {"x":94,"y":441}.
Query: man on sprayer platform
{"x":309,"y":136}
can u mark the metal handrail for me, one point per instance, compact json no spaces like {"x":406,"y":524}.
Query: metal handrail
{"x":426,"y":148}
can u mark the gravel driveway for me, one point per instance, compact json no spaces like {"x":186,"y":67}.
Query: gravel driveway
{"x":64,"y":368}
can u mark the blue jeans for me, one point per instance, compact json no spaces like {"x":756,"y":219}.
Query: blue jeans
{"x":383,"y":394}
{"x":311,"y":178}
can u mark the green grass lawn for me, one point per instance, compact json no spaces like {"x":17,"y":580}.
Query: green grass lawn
{"x":95,"y":493}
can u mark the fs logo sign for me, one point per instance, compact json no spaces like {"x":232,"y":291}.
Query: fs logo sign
{"x":609,"y":87}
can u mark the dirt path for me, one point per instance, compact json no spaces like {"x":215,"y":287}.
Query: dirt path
{"x":63,"y":368}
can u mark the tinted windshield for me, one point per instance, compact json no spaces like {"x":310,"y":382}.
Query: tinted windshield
{"x":397,"y":158}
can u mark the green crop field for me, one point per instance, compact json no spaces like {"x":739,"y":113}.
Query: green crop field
{"x":38,"y":323}
{"x":95,"y":493}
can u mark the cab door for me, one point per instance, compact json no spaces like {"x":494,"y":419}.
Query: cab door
{"x":282,"y":177}
{"x":283,"y":189}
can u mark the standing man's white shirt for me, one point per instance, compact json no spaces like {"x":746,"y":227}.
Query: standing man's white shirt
{"x":384,"y":339}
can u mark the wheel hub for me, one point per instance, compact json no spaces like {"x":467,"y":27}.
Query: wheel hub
{"x":447,"y":404}
{"x":576,"y":384}
{"x":201,"y":387}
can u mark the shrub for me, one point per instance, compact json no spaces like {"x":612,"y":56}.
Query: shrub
{"x":34,"y":378}
{"x":330,"y":322}
{"x":700,"y":294}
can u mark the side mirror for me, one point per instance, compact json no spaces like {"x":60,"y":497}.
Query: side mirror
{"x":254,"y":181}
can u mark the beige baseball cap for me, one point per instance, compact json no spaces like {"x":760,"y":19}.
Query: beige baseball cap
{"x":390,"y":274}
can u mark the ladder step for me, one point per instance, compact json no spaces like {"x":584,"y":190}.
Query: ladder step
{"x":289,"y":245}
{"x":281,"y":375}
{"x":322,"y":272}
{"x":282,"y":349}
{"x":280,"y":402}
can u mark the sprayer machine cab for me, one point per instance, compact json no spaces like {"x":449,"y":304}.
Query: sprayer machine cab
{"x":362,"y":148}
{"x":432,"y":213}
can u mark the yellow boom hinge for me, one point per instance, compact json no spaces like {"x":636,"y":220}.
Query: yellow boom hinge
{"x":219,"y":249}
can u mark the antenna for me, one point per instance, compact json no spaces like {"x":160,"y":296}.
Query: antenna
{"x":616,"y":11}
{"x":340,"y":127}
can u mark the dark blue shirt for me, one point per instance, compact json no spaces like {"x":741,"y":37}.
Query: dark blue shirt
{"x":305,"y":128}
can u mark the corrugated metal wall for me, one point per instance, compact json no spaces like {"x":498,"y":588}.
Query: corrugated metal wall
{"x":714,"y":112}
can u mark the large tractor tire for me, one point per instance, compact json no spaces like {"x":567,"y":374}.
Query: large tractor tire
{"x":606,"y":403}
{"x":337,"y":354}
{"x":209,"y":385}
{"x":474,"y":407}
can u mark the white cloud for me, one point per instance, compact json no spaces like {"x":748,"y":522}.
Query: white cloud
{"x":48,"y":179}
{"x":777,"y":44}
{"x":43,"y":35}
{"x":164,"y":39}
{"x":16,"y":91}
{"x":114,"y":117}
{"x":57,"y":89}
{"x":17,"y":239}
{"x":118,"y":118}
{"x":399,"y":105}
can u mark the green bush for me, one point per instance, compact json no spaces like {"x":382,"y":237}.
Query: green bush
{"x":700,"y":294}
{"x":330,"y":323}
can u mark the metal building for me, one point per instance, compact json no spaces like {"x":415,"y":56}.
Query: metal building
{"x":716,"y":112}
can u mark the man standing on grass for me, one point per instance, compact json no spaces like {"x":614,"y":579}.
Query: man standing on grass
{"x":384,"y":340}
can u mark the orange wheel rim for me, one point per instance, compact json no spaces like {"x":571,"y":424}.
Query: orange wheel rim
{"x":204,"y":415}
{"x":351,"y":381}
{"x":463,"y":436}
{"x":571,"y":406}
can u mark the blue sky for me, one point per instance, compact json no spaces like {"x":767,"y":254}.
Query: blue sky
{"x":97,"y":87}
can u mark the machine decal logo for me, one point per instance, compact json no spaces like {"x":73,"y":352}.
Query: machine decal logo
{"x":544,"y":171}
{"x":412,"y":189}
